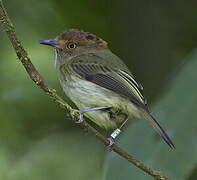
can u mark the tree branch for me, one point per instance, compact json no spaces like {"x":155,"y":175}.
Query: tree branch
{"x":36,"y":77}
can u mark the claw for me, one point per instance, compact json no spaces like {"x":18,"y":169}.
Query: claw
{"x":111,"y":142}
{"x":81,"y":119}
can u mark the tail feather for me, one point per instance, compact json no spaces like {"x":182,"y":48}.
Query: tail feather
{"x":159,"y":129}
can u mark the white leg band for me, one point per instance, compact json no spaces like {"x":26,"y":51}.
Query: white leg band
{"x":115,"y":133}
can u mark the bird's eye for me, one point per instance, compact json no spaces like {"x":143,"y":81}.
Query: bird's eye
{"x":71,"y":45}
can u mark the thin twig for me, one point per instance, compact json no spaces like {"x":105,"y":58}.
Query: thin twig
{"x":36,"y":77}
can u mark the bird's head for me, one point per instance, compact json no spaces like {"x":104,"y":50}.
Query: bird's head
{"x":74,"y":42}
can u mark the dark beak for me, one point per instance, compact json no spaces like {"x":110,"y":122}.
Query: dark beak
{"x":49,"y":42}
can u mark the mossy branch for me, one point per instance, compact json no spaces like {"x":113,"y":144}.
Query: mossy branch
{"x":36,"y":77}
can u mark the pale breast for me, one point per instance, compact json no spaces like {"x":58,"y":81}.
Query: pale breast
{"x":88,"y":94}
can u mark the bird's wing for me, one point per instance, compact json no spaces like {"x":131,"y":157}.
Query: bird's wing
{"x":100,"y":71}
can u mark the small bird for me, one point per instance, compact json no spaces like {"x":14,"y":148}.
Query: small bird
{"x":99,"y":83}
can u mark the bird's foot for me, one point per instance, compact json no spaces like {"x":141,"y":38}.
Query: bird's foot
{"x":81,"y":119}
{"x":82,"y":111}
{"x":111,"y":142}
{"x":112,"y":137}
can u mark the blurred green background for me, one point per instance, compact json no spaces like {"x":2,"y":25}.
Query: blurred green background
{"x":156,"y":39}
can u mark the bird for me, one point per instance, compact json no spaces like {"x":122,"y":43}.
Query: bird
{"x":99,"y":83}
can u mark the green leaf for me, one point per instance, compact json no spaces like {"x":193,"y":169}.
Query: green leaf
{"x":177,"y":113}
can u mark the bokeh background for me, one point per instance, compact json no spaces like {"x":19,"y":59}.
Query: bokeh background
{"x":156,"y":39}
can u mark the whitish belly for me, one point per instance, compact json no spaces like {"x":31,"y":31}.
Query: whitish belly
{"x":86,"y":95}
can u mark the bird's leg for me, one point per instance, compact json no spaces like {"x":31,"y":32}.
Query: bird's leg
{"x":82,"y":111}
{"x":114,"y":134}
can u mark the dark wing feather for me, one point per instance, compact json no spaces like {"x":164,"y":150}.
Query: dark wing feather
{"x":110,"y":78}
{"x":110,"y":83}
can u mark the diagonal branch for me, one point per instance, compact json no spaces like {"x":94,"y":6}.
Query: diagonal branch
{"x":36,"y":77}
